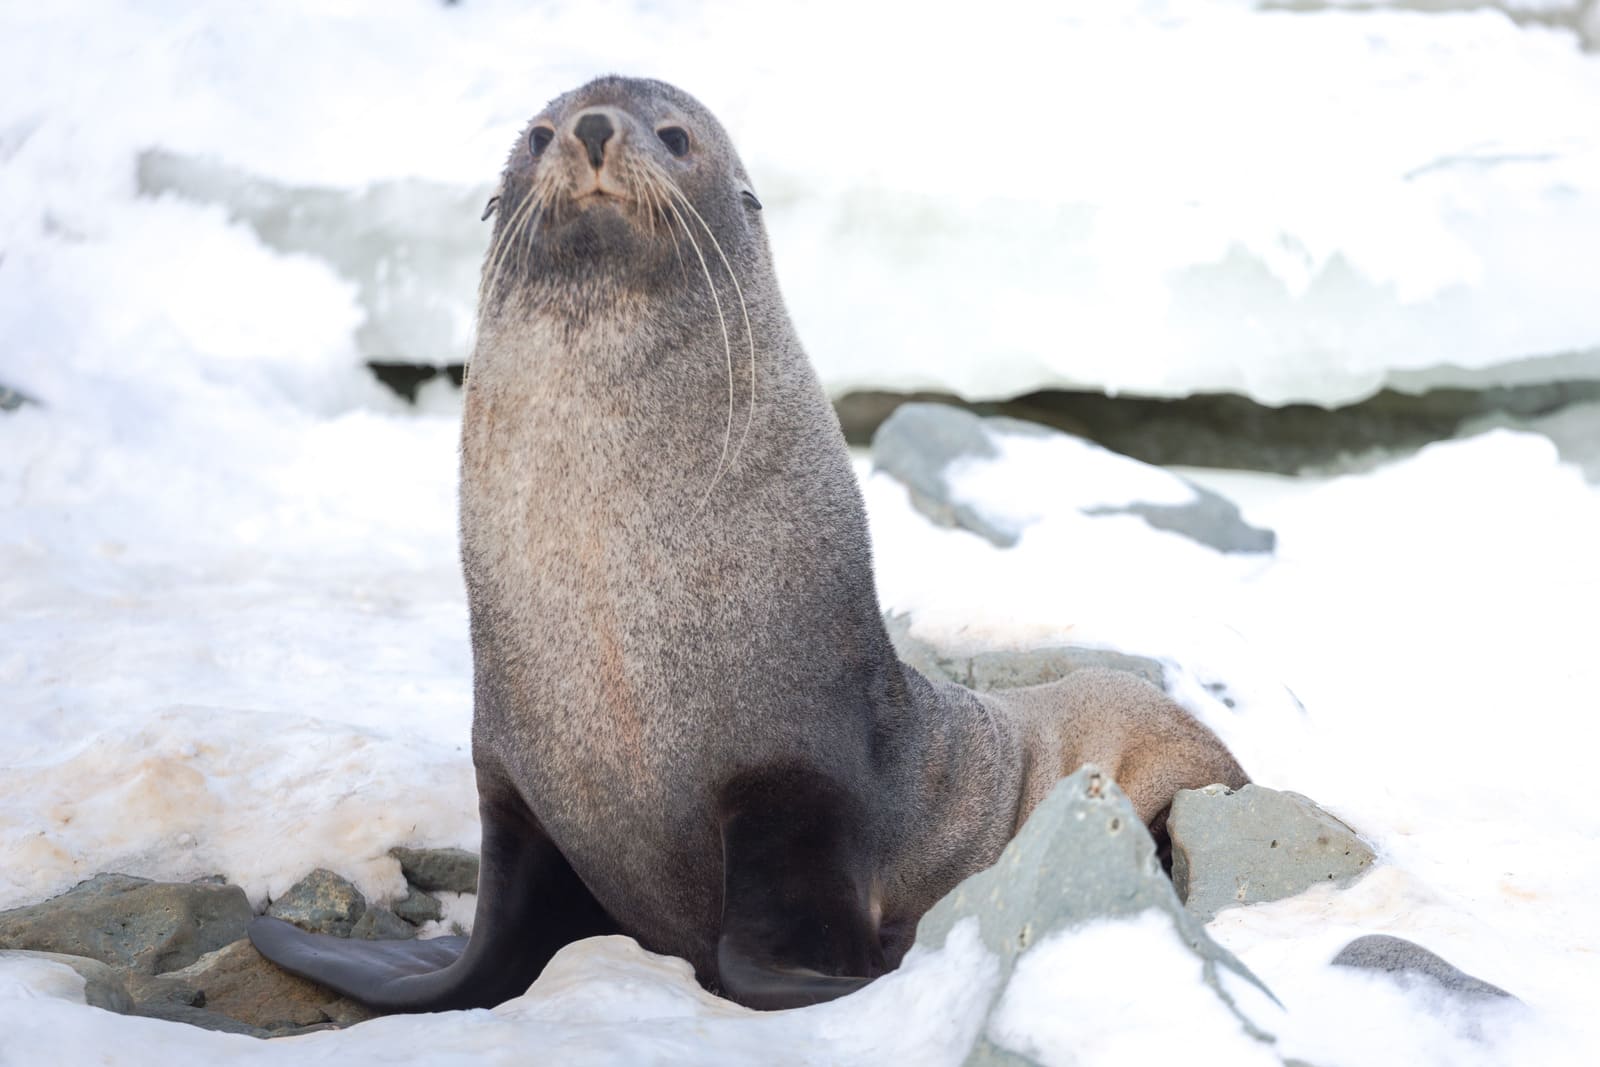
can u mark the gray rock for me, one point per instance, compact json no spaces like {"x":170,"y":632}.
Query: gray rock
{"x":1406,"y":959}
{"x":152,"y":989}
{"x":919,"y":442}
{"x":321,"y":902}
{"x":986,"y":668}
{"x":12,"y":399}
{"x":1082,"y":855}
{"x":1211,"y":519}
{"x":103,"y":987}
{"x":450,"y":870}
{"x":381,"y":924}
{"x":241,"y":984}
{"x":206,"y":1020}
{"x":1256,"y":844}
{"x":418,"y":907}
{"x":131,"y":923}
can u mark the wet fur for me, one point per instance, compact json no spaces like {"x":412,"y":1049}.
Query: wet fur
{"x":679,"y":657}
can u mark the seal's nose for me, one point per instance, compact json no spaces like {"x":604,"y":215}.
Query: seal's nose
{"x":594,"y":130}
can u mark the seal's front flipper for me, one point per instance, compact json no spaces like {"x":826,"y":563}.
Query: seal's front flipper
{"x":796,"y":914}
{"x":530,"y":904}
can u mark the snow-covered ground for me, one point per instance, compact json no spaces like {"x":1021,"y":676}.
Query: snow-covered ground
{"x":232,"y":630}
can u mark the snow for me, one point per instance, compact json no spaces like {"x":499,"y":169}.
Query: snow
{"x":1022,"y":482}
{"x":1068,"y":1001}
{"x":232,"y":626}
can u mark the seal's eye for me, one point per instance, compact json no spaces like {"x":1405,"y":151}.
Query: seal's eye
{"x":676,"y":140}
{"x":750,"y":200}
{"x":539,"y":138}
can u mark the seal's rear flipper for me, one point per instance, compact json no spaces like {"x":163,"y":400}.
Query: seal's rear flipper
{"x":343,"y":964}
{"x":796,"y":915}
{"x":530,"y":904}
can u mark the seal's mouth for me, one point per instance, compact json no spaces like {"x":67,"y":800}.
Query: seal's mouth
{"x":593,"y":197}
{"x":600,"y":186}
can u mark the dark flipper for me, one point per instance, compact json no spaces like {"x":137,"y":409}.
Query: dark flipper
{"x":530,"y":904}
{"x":796,"y":916}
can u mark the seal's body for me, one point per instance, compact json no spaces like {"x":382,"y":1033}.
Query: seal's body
{"x":690,"y":726}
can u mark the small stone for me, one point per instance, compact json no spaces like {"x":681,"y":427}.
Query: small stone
{"x":103,"y":987}
{"x":240,"y":983}
{"x":345,"y":1012}
{"x":131,"y":923}
{"x":433,"y":870}
{"x":12,"y":399}
{"x":321,"y":902}
{"x":1405,"y":959}
{"x":1256,"y":844}
{"x":418,"y":907}
{"x":381,"y":924}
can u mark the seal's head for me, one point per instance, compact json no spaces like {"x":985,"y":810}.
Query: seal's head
{"x":628,"y":181}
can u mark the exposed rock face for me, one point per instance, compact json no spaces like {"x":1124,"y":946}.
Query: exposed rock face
{"x":1409,"y":960}
{"x":321,"y":902}
{"x":433,"y":870}
{"x":178,"y":951}
{"x":1083,"y":855}
{"x":241,"y":984}
{"x":1256,"y":844}
{"x":925,"y":445}
{"x":1223,"y":430}
{"x":131,"y":923}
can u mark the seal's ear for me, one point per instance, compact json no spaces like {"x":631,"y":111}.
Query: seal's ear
{"x":488,"y":209}
{"x":750,"y":200}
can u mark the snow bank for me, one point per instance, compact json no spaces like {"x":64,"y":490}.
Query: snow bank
{"x":1293,"y":206}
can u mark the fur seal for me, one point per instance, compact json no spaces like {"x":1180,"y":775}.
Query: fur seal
{"x":689,"y":724}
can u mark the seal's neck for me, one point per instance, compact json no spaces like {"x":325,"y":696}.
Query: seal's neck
{"x":664,"y":383}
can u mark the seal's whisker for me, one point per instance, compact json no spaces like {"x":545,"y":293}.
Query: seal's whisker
{"x":658,"y":198}
{"x":530,"y":230}
{"x":743,"y":311}
{"x":727,"y":349}
{"x":639,"y":184}
{"x":529,"y":206}
{"x":490,"y":272}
